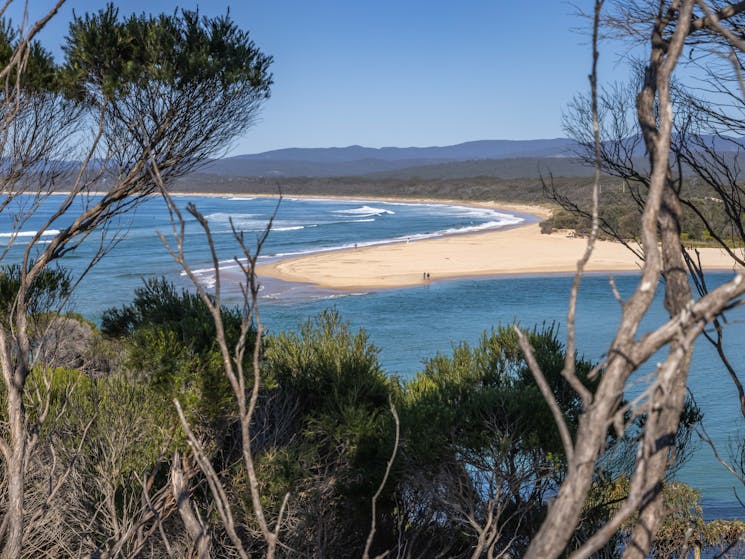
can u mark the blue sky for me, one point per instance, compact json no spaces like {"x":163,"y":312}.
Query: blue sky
{"x":403,"y":73}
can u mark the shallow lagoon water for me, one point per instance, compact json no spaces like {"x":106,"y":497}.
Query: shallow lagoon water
{"x":411,"y":324}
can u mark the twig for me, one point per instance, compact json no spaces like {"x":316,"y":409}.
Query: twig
{"x":548,"y":395}
{"x":389,"y":465}
{"x":569,"y":370}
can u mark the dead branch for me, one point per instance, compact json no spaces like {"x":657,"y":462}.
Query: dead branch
{"x":376,"y":496}
{"x":233,"y":363}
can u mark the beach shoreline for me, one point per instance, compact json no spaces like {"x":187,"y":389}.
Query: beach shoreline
{"x":514,"y":250}
{"x":537,"y":210}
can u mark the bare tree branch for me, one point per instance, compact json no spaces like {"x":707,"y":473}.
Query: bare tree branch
{"x":376,"y":496}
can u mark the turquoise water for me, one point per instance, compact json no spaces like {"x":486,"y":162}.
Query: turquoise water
{"x":301,"y":226}
{"x":411,"y":324}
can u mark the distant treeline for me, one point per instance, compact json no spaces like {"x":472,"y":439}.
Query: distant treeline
{"x":571,"y":198}
{"x":704,"y":216}
{"x":525,"y":190}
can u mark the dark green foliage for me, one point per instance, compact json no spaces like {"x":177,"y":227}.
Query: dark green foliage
{"x":329,"y":365}
{"x":456,"y":397}
{"x":171,"y":339}
{"x":158,"y":304}
{"x":40,"y":74}
{"x":477,"y":434}
{"x":176,"y":88}
{"x":344,"y":432}
{"x":620,"y":217}
{"x":46,"y":293}
{"x":461,"y":188}
{"x":478,"y":429}
{"x":181,"y":51}
{"x":138,"y":101}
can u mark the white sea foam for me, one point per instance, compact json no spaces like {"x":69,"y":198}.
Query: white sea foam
{"x":314,"y":200}
{"x":365,"y":211}
{"x":345,"y":294}
{"x":480,"y":213}
{"x":22,"y":234}
{"x":253,"y":222}
{"x":498,"y":224}
{"x":290,"y":228}
{"x":224,"y":266}
{"x":342,"y":221}
{"x":459,"y":210}
{"x":240,"y":198}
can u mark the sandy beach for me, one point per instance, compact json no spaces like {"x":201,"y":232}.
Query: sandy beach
{"x":519,"y":250}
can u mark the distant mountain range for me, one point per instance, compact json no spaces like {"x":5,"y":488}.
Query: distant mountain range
{"x":358,"y":160}
{"x":489,"y":158}
{"x":482,"y":149}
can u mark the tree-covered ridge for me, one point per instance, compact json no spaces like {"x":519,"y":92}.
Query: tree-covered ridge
{"x":619,"y":214}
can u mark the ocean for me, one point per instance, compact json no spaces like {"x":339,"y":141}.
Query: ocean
{"x":408,"y":325}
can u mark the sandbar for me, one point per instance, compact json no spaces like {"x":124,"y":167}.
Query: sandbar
{"x":513,"y":251}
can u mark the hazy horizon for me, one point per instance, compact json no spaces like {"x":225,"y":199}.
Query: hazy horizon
{"x":392,"y":146}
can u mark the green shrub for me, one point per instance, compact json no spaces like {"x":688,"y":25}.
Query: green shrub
{"x":343,"y":428}
{"x":171,"y":338}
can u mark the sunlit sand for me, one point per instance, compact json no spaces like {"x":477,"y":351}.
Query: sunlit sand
{"x":519,"y":250}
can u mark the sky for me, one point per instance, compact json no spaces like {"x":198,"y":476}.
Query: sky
{"x":400,"y":72}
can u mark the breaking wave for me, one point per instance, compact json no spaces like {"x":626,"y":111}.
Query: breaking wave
{"x":365,"y":211}
{"x":27,"y":234}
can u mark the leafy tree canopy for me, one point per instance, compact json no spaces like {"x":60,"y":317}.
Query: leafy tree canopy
{"x":47,"y":292}
{"x":157,"y":303}
{"x":40,"y":73}
{"x":180,"y":50}
{"x":172,"y":340}
{"x":460,"y":399}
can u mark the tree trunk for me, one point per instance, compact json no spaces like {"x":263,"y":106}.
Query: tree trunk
{"x":669,"y":400}
{"x":15,"y":471}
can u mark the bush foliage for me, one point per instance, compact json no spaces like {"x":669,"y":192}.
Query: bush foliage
{"x":477,"y":438}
